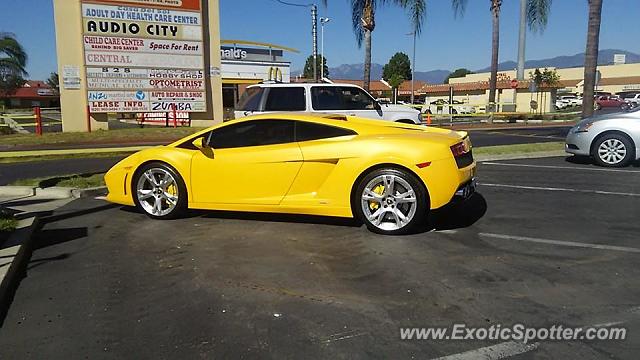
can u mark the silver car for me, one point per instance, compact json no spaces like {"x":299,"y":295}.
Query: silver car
{"x":613,"y":140}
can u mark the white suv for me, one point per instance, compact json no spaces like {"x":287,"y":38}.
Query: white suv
{"x":342,"y":99}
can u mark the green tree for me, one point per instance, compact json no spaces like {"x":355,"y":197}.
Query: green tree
{"x":457,"y":73}
{"x":307,"y":73}
{"x":591,"y":56}
{"x":537,"y":16}
{"x":363,"y":23}
{"x":400,"y":65}
{"x":545,"y":79}
{"x":13,"y":60}
{"x":395,"y":81}
{"x":54,"y":82}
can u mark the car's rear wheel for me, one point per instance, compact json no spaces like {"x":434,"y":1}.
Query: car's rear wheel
{"x":391,"y":202}
{"x":159,"y":191}
{"x":613,"y":150}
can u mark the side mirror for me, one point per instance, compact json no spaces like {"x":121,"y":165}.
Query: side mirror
{"x":377,"y":106}
{"x":201,"y":144}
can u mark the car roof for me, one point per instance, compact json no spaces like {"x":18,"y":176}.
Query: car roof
{"x":301,"y":85}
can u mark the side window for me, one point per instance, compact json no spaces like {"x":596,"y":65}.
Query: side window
{"x":356,"y":99}
{"x":326,"y":98}
{"x":250,"y":100}
{"x":306,"y":131}
{"x":285,"y":99}
{"x":252,"y":133}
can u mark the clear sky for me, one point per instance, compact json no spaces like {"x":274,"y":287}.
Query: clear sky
{"x":446,"y":42}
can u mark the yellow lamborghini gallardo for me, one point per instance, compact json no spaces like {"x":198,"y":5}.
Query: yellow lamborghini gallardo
{"x":388,"y":175}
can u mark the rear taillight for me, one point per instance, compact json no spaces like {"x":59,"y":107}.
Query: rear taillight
{"x":460,"y":149}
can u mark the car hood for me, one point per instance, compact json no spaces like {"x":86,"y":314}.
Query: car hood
{"x":612,"y":116}
{"x":398,"y":108}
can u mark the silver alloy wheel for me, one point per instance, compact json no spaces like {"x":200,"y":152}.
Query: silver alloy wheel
{"x":612,"y":151}
{"x":389,"y":202}
{"x":157,"y":191}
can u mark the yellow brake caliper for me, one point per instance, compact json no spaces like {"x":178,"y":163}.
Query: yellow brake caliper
{"x":171,"y":190}
{"x":378,"y":190}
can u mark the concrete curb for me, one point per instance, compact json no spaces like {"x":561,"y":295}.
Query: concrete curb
{"x":48,"y":153}
{"x":90,"y":192}
{"x":531,"y":155}
{"x":54,"y":192}
{"x":20,"y":254}
{"x":17,"y":191}
{"x":51,"y":192}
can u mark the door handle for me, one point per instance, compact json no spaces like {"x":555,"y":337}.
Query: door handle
{"x":352,"y":114}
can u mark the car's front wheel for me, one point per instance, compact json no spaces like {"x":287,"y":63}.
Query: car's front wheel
{"x":613,"y":150}
{"x":391,"y":202}
{"x":159,"y":191}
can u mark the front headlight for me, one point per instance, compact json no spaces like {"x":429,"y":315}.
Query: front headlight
{"x":584,"y":127}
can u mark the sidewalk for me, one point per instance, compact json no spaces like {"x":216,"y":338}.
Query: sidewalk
{"x":15,"y":251}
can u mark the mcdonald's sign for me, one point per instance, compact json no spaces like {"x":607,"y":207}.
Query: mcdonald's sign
{"x":275,"y":74}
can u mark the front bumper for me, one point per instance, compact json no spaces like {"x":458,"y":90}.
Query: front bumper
{"x":578,"y":143}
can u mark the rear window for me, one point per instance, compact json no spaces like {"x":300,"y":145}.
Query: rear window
{"x":306,"y":131}
{"x":250,"y":100}
{"x":285,"y":99}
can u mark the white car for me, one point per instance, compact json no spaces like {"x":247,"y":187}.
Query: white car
{"x":343,"y":99}
{"x":632,"y":98}
{"x":572,"y":100}
{"x":561,"y":104}
{"x":441,"y":106}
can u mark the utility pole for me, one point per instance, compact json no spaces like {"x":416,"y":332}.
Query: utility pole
{"x":314,"y":34}
{"x":522,"y":39}
{"x":413,"y":67}
{"x":323,"y":20}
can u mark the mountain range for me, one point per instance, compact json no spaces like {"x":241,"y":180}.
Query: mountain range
{"x":605,"y":57}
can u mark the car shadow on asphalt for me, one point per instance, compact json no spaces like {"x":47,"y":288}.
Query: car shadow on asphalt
{"x":587,"y":160}
{"x":458,"y":214}
{"x":455,"y":215}
{"x":277,"y":217}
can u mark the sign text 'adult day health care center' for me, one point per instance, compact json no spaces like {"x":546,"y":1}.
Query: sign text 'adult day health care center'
{"x":144,"y":55}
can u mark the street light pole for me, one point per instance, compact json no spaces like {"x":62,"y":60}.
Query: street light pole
{"x":323,"y":20}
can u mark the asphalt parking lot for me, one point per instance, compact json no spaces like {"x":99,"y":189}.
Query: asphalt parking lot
{"x":545,"y":241}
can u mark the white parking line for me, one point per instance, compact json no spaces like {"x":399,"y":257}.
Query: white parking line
{"x":558,"y":167}
{"x":509,"y":348}
{"x":498,"y":351}
{"x":599,"y":192}
{"x":561,"y":243}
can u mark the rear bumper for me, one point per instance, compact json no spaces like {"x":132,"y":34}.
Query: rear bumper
{"x":466,"y":190}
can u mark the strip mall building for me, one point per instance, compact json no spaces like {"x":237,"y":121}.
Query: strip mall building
{"x":474,"y":88}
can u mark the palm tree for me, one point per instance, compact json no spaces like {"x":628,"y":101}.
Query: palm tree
{"x":537,"y":15}
{"x":363,"y":22}
{"x":13,"y":60}
{"x":591,"y":56}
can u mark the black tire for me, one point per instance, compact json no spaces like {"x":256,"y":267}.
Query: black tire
{"x":182,"y":196}
{"x":607,"y":159}
{"x":420,"y":216}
